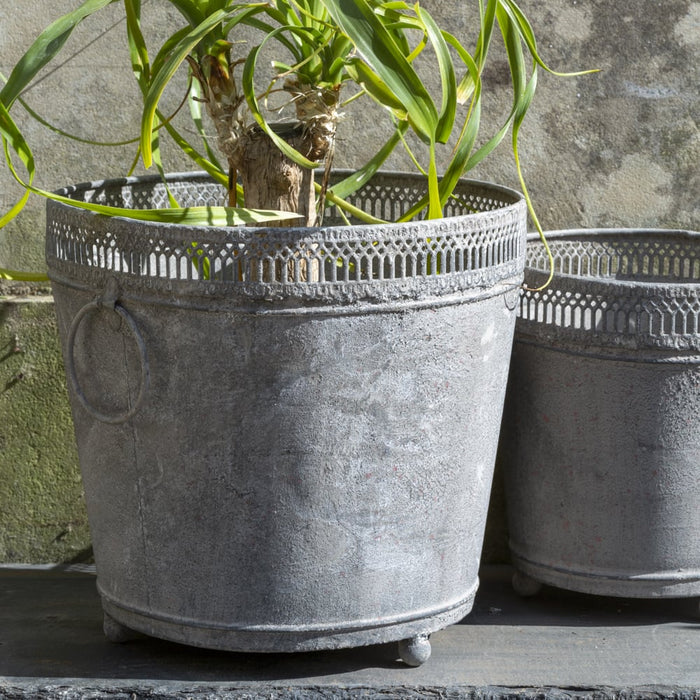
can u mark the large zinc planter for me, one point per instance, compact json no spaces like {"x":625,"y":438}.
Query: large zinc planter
{"x":602,"y":439}
{"x":287,"y":436}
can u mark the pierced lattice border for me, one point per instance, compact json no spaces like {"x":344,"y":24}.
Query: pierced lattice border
{"x":477,"y":248}
{"x":628,"y":289}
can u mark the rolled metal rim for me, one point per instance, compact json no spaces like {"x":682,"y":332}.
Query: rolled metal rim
{"x":583,"y":234}
{"x":479,"y":242}
{"x":514,"y":199}
{"x":614,"y":288}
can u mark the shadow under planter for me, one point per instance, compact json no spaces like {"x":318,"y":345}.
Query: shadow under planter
{"x":601,"y":445}
{"x":287,"y":436}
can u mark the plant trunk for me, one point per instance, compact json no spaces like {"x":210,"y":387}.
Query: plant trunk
{"x":271,"y":180}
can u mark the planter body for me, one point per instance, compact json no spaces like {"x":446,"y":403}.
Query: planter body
{"x":297,"y":452}
{"x":602,"y":448}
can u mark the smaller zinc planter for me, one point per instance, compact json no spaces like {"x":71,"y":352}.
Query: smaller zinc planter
{"x":602,"y":441}
{"x":287,"y":436}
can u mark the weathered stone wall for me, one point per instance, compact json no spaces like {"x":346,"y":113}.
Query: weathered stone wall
{"x":622,"y":147}
{"x":618,"y":148}
{"x":42,"y":513}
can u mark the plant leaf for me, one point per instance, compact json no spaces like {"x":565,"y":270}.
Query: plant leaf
{"x":448,"y":79}
{"x":65,"y":134}
{"x":528,"y":35}
{"x":12,"y":137}
{"x":189,"y":216}
{"x":140,"y":64}
{"x":45,"y":48}
{"x":191,"y":10}
{"x":161,"y":79}
{"x":375,"y":87}
{"x":379,"y":50}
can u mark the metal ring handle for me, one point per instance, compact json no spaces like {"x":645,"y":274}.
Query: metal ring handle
{"x":70,"y":362}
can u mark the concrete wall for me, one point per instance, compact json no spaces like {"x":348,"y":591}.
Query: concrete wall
{"x":619,"y":148}
{"x":42,"y":513}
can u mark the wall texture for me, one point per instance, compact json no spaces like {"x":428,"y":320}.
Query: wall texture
{"x":42,"y":514}
{"x":618,"y":148}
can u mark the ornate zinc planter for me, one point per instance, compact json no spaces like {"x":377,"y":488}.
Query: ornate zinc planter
{"x":602,"y":445}
{"x":282,"y":432}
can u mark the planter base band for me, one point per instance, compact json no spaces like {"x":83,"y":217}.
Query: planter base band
{"x":655,"y":585}
{"x":273,"y":639}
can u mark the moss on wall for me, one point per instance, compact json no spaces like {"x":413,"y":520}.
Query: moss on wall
{"x":42,"y":513}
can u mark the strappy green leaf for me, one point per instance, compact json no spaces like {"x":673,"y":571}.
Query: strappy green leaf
{"x":382,"y":54}
{"x":45,"y":48}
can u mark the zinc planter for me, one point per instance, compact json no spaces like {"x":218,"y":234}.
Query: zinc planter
{"x":602,"y":444}
{"x":290,"y":446}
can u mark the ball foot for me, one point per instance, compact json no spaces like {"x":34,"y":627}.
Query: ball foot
{"x":525,"y":586}
{"x":416,"y":650}
{"x":116,"y":632}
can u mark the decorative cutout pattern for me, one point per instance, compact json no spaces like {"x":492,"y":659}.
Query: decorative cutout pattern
{"x":481,"y":243}
{"x":628,"y":289}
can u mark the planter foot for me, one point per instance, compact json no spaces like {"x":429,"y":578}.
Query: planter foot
{"x":525,"y":586}
{"x":116,"y":632}
{"x":416,"y":650}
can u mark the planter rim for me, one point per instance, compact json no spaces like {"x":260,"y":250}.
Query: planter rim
{"x":578,"y":232}
{"x":516,"y":199}
{"x":628,"y":281}
{"x":331,"y":264}
{"x":643,"y":296}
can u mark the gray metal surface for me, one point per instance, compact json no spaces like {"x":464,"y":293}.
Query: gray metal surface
{"x":601,"y":444}
{"x":291,"y":451}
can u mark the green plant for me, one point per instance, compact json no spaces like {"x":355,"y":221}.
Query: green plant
{"x":326,"y":53}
